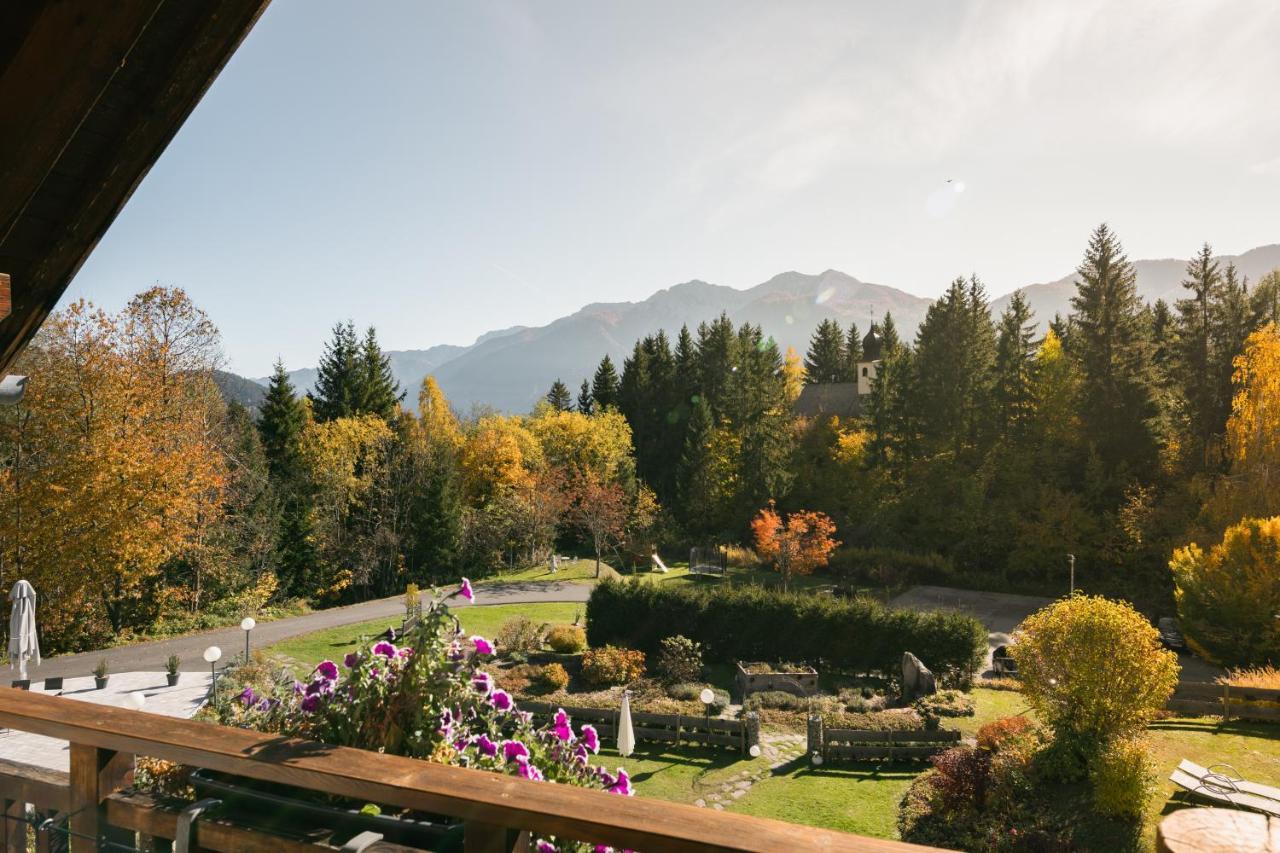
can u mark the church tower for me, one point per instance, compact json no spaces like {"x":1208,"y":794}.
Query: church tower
{"x":869,"y":366}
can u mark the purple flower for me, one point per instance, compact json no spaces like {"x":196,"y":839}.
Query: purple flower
{"x":455,"y":651}
{"x":546,"y":847}
{"x":351,"y":660}
{"x":528,"y":771}
{"x":297,"y":687}
{"x":328,"y":670}
{"x":247,"y":696}
{"x":404,"y":652}
{"x":486,"y":746}
{"x":483,"y":646}
{"x":561,"y":726}
{"x":446,"y":722}
{"x":580,"y":753}
{"x":590,"y":738}
{"x":387,"y":650}
{"x":621,"y":785}
{"x":310,"y":704}
{"x":466,"y":591}
{"x":500,"y":700}
{"x":482,"y":682}
{"x":514,"y":750}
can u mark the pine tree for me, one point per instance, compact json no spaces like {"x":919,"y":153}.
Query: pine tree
{"x":1232,"y":322}
{"x":1164,"y":344}
{"x":379,"y":392}
{"x":559,"y":397}
{"x":717,"y":350}
{"x":585,"y":404}
{"x":852,"y":354}
{"x":1195,"y":350}
{"x":604,"y":385}
{"x":889,"y":340}
{"x":1266,"y":300}
{"x":1114,"y":353}
{"x":1015,"y":357}
{"x":280,"y":421}
{"x":826,"y":359}
{"x":339,"y":379}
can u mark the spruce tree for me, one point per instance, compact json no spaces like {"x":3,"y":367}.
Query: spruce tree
{"x":1014,"y":386}
{"x":379,"y":392}
{"x":889,"y":340}
{"x":1195,"y":350}
{"x":1266,"y":300}
{"x":339,"y":378}
{"x":1114,"y":353}
{"x":716,"y":343}
{"x":1232,"y":322}
{"x":852,"y":354}
{"x":280,"y":421}
{"x":559,"y":397}
{"x":585,"y":404}
{"x":826,"y":361}
{"x":604,"y":385}
{"x":1164,"y":344}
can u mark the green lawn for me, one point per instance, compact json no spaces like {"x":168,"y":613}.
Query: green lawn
{"x":680,"y":575}
{"x":859,"y":797}
{"x":333,"y":643}
{"x":579,"y":571}
{"x":665,"y":773}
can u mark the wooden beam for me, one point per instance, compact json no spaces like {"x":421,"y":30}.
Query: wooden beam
{"x":473,"y":795}
{"x":47,"y":790}
{"x":6,"y":295}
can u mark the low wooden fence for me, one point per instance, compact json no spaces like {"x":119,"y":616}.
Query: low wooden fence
{"x":1248,"y":703}
{"x":875,"y":745}
{"x":665,"y":728}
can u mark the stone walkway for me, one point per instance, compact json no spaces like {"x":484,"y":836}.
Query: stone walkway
{"x":182,"y":700}
{"x":776,"y":749}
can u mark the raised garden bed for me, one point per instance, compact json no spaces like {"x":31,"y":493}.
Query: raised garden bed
{"x":760,"y":677}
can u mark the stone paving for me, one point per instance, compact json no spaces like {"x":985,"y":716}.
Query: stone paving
{"x":777,"y":749}
{"x":182,"y":700}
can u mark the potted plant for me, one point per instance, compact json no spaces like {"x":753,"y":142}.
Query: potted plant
{"x":171,"y":670}
{"x":100,"y":675}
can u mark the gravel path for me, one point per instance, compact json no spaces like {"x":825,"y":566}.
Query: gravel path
{"x":151,"y":657}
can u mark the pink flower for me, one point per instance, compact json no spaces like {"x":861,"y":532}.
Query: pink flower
{"x":483,"y":646}
{"x":546,"y":847}
{"x":486,"y":746}
{"x":455,"y":651}
{"x":310,"y":704}
{"x":404,"y":652}
{"x":482,"y":682}
{"x":590,"y":738}
{"x":500,"y":700}
{"x":580,"y":754}
{"x":561,"y":726}
{"x":387,"y":650}
{"x":528,"y":771}
{"x":351,"y":660}
{"x":327,"y":670}
{"x":514,"y":750}
{"x":621,"y":785}
{"x":466,"y":591}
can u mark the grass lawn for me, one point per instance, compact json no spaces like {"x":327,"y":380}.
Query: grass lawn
{"x":333,"y":643}
{"x":859,"y":797}
{"x":665,"y":773}
{"x":578,"y":571}
{"x":680,"y":575}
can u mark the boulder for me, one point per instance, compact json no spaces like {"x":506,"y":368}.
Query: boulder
{"x":917,"y":679}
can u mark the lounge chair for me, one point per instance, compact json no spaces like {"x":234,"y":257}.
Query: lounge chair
{"x":1222,"y":784}
{"x":658,"y":565}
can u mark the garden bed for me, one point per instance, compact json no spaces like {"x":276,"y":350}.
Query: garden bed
{"x":763,"y":677}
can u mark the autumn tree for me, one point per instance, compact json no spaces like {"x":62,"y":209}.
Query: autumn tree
{"x":793,"y":375}
{"x":1253,"y":433}
{"x":601,"y":510}
{"x":796,"y":545}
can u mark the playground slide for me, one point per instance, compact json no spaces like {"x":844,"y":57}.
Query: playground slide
{"x":658,"y":565}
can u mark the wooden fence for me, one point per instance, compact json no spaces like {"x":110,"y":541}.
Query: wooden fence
{"x":872,"y":745}
{"x":498,"y":813}
{"x":665,"y":728}
{"x":1248,"y":703}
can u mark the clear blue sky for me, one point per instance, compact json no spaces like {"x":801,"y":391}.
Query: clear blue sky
{"x":440,"y":169}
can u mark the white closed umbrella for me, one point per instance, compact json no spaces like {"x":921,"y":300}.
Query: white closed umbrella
{"x":23,"y":645}
{"x":626,"y":734}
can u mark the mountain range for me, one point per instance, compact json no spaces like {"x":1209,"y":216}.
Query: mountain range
{"x":512,"y":368}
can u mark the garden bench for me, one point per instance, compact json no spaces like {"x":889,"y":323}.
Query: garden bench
{"x":1226,"y":788}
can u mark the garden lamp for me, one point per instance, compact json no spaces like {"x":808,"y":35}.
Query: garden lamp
{"x":211,"y":656}
{"x":816,"y":759}
{"x":137,"y":700}
{"x":707,"y":696}
{"x":247,"y":624}
{"x":754,"y":751}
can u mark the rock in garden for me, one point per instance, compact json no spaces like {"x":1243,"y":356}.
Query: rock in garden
{"x":917,"y":679}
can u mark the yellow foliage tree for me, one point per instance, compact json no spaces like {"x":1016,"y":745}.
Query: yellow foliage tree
{"x":792,"y":375}
{"x":499,"y":453}
{"x":1253,"y":431}
{"x":599,"y":445}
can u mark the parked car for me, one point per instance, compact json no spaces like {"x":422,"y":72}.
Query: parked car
{"x":1171,"y":634}
{"x":1003,"y":663}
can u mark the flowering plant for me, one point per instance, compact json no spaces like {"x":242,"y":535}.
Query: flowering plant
{"x":432,"y":698}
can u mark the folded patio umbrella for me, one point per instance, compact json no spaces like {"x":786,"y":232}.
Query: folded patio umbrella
{"x":23,"y":645}
{"x":626,"y":734}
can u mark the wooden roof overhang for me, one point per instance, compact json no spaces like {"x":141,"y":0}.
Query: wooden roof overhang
{"x":91,"y":92}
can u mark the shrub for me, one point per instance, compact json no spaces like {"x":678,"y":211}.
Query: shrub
{"x":962,"y":775}
{"x":890,"y":567}
{"x":1094,"y":670}
{"x":754,"y":623}
{"x":521,"y":635}
{"x":679,"y":659}
{"x":777,"y":700}
{"x":995,"y":733}
{"x":738,"y":555}
{"x":612,"y":665}
{"x":946,"y":703}
{"x":692,"y":692}
{"x":1228,"y":596}
{"x":1265,"y":677}
{"x":553,"y":677}
{"x":1123,"y":778}
{"x":567,"y":639}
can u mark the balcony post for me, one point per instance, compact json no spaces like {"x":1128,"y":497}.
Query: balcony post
{"x":480,"y":837}
{"x":95,"y":773}
{"x":13,"y":834}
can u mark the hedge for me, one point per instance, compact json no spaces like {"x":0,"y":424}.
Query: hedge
{"x":751,"y":623}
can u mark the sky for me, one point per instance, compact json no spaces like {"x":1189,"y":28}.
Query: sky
{"x":440,"y":169}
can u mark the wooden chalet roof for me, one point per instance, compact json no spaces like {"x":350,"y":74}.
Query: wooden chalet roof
{"x":828,"y":398}
{"x":91,"y":92}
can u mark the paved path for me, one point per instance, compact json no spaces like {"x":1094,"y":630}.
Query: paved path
{"x":151,"y":657}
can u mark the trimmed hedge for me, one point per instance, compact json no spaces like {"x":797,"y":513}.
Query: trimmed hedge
{"x":754,"y":623}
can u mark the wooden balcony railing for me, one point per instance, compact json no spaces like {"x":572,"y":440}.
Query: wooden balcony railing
{"x":498,"y":812}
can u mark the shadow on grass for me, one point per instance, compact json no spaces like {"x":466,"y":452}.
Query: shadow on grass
{"x":853,"y":771}
{"x":1214,"y":726}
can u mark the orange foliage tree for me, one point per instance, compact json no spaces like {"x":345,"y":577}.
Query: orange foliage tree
{"x":796,"y":545}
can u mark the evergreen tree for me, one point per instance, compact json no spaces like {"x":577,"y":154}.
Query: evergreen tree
{"x":379,"y":392}
{"x":697,"y":489}
{"x":604,"y":385}
{"x":559,"y":397}
{"x":1195,"y":350}
{"x":889,"y":340}
{"x":826,"y":359}
{"x":1266,"y":300}
{"x":585,"y":404}
{"x":1061,"y":328}
{"x":280,"y":421}
{"x":1232,"y":322}
{"x":1114,"y":353}
{"x":717,"y":350}
{"x":340,"y":376}
{"x":1015,"y":369}
{"x":852,"y":354}
{"x":1164,"y":344}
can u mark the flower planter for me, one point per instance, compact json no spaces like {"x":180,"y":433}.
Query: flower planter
{"x":171,"y":678}
{"x":100,"y":681}
{"x":761,"y":677}
{"x":281,"y":809}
